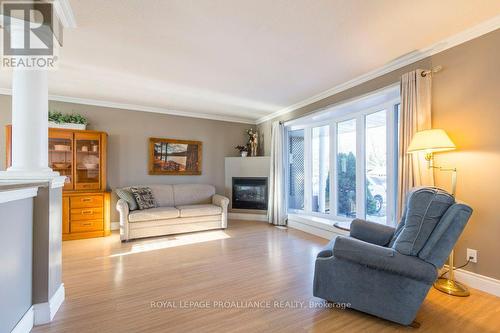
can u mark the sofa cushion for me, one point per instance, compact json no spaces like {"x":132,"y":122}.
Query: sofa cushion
{"x":193,"y":194}
{"x":164,"y":195}
{"x":153,"y":214}
{"x":178,"y":221}
{"x":425,"y":207}
{"x":125,"y":194}
{"x":199,"y":210}
{"x":144,"y":197}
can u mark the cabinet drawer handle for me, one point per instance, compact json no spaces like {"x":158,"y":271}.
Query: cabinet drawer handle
{"x":87,"y":224}
{"x":87,"y":212}
{"x":86,"y":199}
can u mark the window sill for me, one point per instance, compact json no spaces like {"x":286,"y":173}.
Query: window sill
{"x":318,"y":226}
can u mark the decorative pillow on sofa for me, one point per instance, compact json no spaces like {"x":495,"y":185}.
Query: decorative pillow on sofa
{"x":125,"y":194}
{"x":144,"y":197}
{"x":425,"y":207}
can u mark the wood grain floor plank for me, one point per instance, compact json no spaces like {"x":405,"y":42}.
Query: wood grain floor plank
{"x":110,"y":286}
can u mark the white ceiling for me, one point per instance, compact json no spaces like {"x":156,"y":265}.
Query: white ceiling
{"x":242,"y":60}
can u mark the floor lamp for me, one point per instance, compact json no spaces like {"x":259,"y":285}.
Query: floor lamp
{"x":430,"y":142}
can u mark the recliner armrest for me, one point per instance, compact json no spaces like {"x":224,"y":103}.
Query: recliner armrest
{"x":371,"y":232}
{"x":383,"y":258}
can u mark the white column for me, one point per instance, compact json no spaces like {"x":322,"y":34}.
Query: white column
{"x":30,"y":121}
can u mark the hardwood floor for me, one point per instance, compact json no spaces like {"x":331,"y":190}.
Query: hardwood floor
{"x":110,"y":287}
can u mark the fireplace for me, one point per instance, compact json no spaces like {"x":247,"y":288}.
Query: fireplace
{"x":249,"y":193}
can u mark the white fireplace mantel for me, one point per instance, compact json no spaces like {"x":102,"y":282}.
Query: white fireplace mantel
{"x":258,"y":166}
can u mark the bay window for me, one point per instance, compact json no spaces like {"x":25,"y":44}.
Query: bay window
{"x":346,"y":168}
{"x":320,"y":177}
{"x":342,"y":160}
{"x":376,"y":166}
{"x":296,"y":175}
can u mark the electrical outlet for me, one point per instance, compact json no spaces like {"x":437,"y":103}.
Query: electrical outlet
{"x":472,"y":255}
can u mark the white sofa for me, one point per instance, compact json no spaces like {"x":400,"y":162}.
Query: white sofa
{"x":181,"y":208}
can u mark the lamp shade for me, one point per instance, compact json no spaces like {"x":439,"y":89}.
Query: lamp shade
{"x":431,"y":141}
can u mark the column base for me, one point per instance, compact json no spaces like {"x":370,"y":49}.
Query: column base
{"x":54,"y":178}
{"x":45,"y":312}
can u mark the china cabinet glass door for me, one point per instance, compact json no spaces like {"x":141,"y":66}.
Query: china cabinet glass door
{"x":87,"y":161}
{"x":61,"y":155}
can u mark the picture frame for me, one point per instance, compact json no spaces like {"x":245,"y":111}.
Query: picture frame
{"x":175,"y":157}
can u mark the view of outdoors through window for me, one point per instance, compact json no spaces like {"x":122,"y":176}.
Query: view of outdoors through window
{"x":346,"y":168}
{"x":321,"y":169}
{"x":343,"y":165}
{"x":376,"y":166}
{"x":296,"y":169}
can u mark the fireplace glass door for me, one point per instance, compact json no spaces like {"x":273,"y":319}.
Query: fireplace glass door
{"x":249,"y":193}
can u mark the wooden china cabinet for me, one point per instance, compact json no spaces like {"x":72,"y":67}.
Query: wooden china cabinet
{"x":81,"y":157}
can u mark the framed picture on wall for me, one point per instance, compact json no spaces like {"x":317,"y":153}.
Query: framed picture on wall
{"x":174,"y":157}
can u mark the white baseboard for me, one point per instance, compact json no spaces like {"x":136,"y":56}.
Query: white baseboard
{"x":247,"y":217}
{"x":311,"y":230}
{"x":26,"y":323}
{"x":477,"y":281}
{"x":115,"y":225}
{"x":45,"y":312}
{"x":315,"y":226}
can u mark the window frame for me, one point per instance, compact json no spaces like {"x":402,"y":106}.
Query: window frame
{"x":310,"y":167}
{"x":391,"y":168}
{"x":289,"y":129}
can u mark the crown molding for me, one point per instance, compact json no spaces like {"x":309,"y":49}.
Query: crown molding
{"x":65,"y":13}
{"x":462,"y":37}
{"x":142,"y":108}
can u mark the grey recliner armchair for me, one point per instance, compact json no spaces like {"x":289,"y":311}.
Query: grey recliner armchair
{"x":388,"y":272}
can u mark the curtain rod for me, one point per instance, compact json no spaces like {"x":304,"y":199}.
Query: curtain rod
{"x":431,"y":71}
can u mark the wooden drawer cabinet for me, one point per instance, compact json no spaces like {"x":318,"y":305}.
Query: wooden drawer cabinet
{"x":80,"y":156}
{"x":79,"y":214}
{"x":65,"y":217}
{"x":86,"y":215}
{"x":86,"y":186}
{"x":89,"y":225}
{"x":86,"y":201}
{"x":77,"y":154}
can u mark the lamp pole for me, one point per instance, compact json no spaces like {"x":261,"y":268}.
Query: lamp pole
{"x":449,"y":285}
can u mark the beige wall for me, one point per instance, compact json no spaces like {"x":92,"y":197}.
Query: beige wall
{"x":128,"y":142}
{"x":466,"y":103}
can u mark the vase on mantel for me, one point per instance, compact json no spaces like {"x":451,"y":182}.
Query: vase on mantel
{"x":244,"y":154}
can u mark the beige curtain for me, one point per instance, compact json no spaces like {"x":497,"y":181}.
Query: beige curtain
{"x":415,"y":115}
{"x":276,"y":211}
